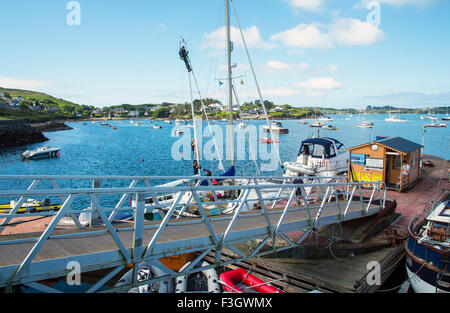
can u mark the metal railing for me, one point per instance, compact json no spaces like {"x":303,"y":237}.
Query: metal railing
{"x":280,"y":206}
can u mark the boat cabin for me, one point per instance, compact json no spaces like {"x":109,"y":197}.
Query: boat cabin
{"x":382,"y":160}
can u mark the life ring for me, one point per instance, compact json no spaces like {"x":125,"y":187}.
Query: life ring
{"x":146,"y":272}
{"x":210,"y":274}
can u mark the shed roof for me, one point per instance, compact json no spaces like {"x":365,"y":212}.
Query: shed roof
{"x":400,"y":144}
{"x":396,"y":143}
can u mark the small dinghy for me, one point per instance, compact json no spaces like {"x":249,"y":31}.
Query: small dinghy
{"x":146,"y":272}
{"x":205,"y":281}
{"x":238,"y":280}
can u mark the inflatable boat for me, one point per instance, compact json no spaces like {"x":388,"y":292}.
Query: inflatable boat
{"x":233,"y":280}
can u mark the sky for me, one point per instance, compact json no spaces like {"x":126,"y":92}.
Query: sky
{"x":329,"y":53}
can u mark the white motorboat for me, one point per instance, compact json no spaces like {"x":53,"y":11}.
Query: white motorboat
{"x":321,"y":156}
{"x":41,"y":153}
{"x":157,"y":126}
{"x":316,"y":124}
{"x":365,"y":124}
{"x":394,"y":119}
{"x":326,"y":119}
{"x":276,"y":127}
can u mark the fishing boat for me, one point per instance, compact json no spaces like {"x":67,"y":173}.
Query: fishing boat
{"x":30,"y":206}
{"x":321,"y":156}
{"x":41,"y":153}
{"x":276,"y":127}
{"x":242,"y":281}
{"x":428,"y":251}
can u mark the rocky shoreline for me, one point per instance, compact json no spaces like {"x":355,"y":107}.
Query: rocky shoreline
{"x":16,"y":133}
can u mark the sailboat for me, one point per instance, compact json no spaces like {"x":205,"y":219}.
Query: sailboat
{"x":394,"y":118}
{"x":364,"y":123}
{"x":446,"y":117}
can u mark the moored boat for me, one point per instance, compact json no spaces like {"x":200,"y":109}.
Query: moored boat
{"x":41,"y":153}
{"x":276,"y":127}
{"x":31,"y":206}
{"x":242,"y":281}
{"x":322,"y":156}
{"x":428,"y":251}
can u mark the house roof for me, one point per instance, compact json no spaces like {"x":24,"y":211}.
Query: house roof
{"x":396,"y":143}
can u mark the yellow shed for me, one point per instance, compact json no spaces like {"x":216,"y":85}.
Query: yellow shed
{"x":381,"y":160}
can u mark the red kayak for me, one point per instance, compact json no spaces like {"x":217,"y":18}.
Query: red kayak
{"x":232,"y":278}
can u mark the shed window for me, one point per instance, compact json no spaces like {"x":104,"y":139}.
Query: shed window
{"x":397,"y":163}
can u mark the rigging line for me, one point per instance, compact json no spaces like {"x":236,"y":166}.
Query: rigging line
{"x":247,"y":135}
{"x":257,"y":85}
{"x":209,"y":124}
{"x":196,"y":148}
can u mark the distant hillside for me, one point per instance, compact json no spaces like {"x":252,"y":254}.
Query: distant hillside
{"x":36,"y":106}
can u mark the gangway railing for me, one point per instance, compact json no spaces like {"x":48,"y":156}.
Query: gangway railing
{"x":259,"y":208}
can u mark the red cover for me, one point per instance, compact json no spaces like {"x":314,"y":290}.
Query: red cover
{"x":234,"y":277}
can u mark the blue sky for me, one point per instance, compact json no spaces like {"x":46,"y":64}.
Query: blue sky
{"x":305,"y":52}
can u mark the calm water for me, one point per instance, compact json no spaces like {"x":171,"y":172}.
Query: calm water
{"x":93,"y":149}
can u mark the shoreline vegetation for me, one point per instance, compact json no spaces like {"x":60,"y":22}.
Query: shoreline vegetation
{"x":36,"y":107}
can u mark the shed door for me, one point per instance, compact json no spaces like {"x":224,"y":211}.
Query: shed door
{"x":393,"y":168}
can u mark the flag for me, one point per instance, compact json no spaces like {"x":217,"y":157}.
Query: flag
{"x":220,"y":83}
{"x":242,"y":82}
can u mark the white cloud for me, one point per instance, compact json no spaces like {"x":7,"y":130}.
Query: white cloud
{"x":304,"y":36}
{"x":17,"y":83}
{"x":347,"y":32}
{"x":332,"y":68}
{"x":352,"y":32}
{"x":217,"y":38}
{"x":277,"y":65}
{"x":303,"y":66}
{"x":307,"y":5}
{"x":321,"y":83}
{"x":397,"y":3}
{"x":280,"y":92}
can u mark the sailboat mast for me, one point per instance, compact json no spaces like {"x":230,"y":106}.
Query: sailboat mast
{"x":230,"y":81}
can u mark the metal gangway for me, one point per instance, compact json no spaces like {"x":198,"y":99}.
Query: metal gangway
{"x":256,"y":208}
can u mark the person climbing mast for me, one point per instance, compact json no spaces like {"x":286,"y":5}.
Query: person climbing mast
{"x":184,"y":56}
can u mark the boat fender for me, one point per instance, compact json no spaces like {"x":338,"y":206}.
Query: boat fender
{"x":211,"y":275}
{"x":146,"y":272}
